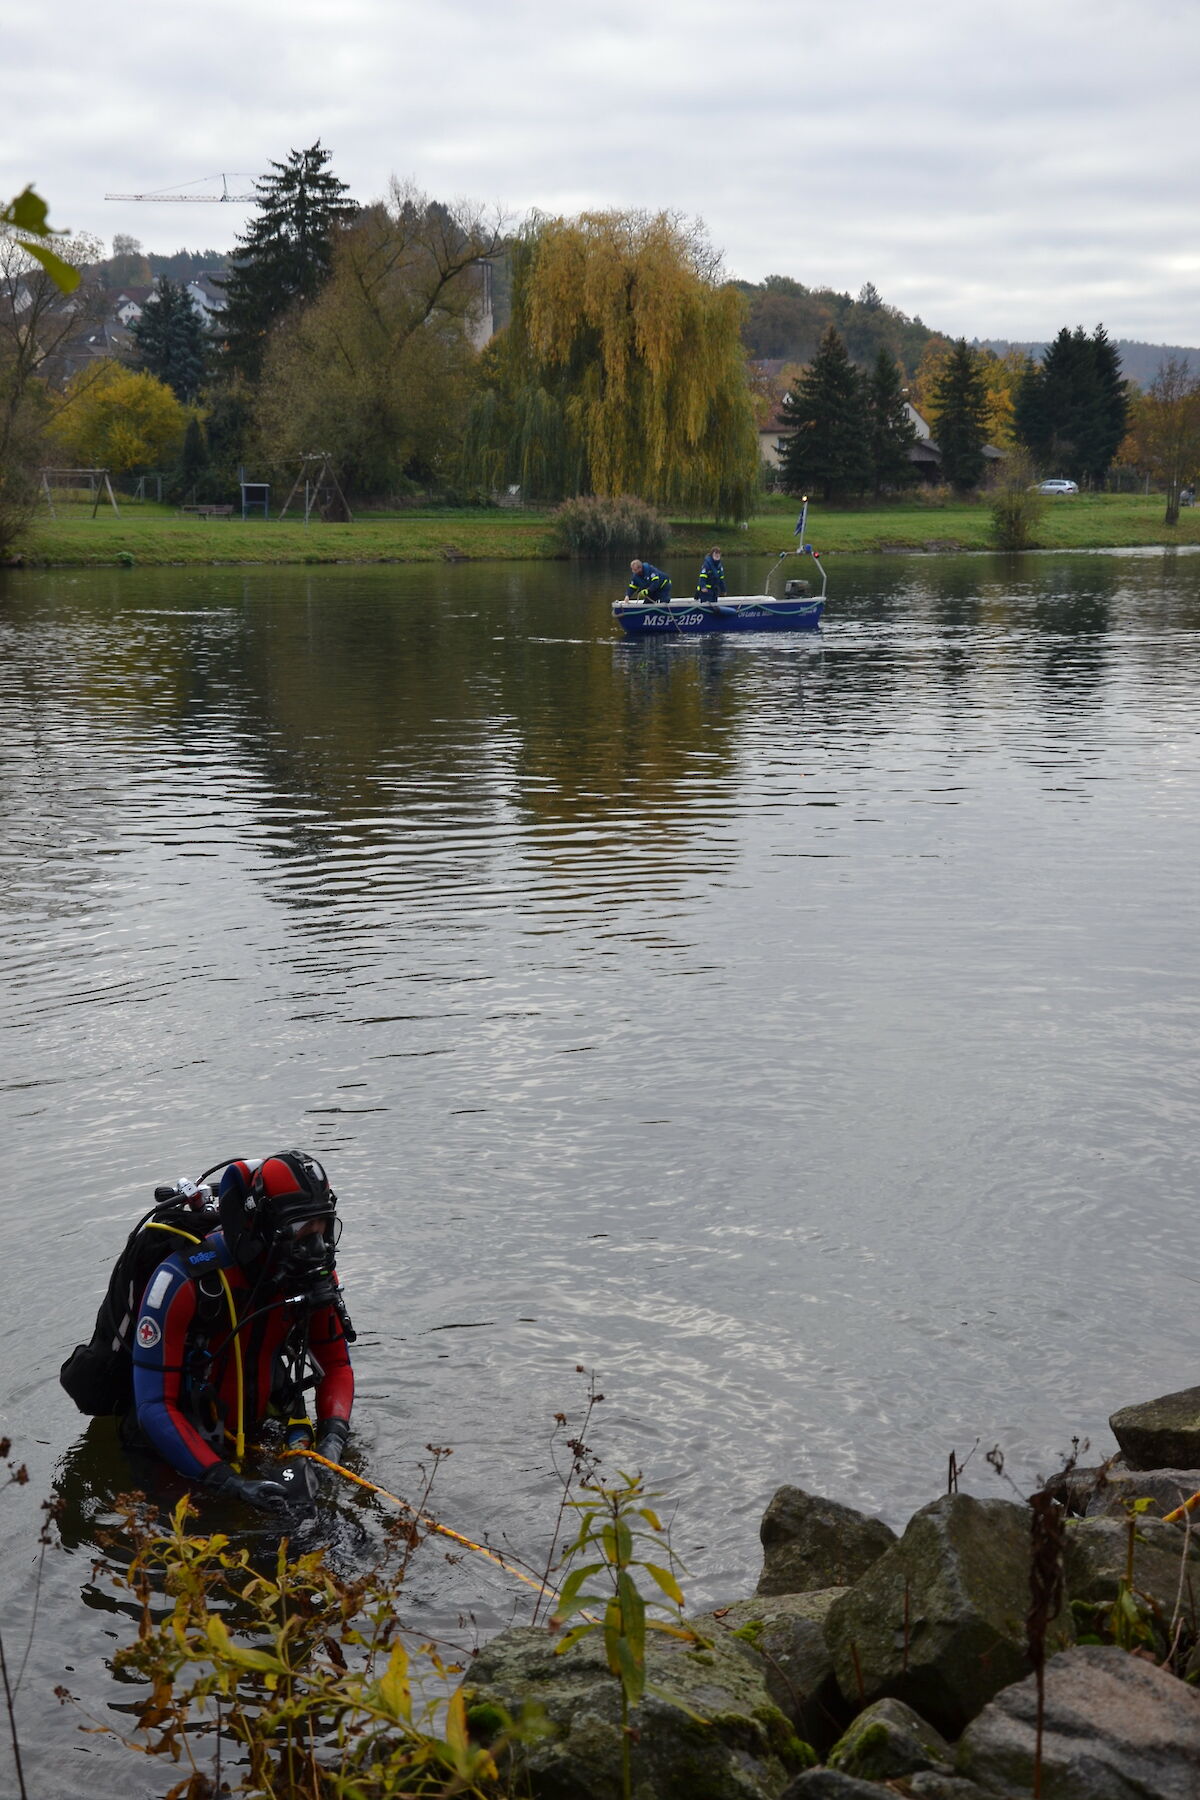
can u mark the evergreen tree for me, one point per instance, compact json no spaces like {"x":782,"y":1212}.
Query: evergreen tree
{"x":1072,"y":408}
{"x":286,"y":253}
{"x":194,"y":460}
{"x":891,"y":431}
{"x":960,"y":397}
{"x":171,"y":341}
{"x":830,"y":447}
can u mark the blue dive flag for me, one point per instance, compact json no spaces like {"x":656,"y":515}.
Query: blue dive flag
{"x":799,"y":530}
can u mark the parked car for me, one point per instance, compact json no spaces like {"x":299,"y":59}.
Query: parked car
{"x":1058,"y":487}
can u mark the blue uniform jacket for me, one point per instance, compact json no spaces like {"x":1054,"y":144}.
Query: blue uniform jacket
{"x":711,"y":581}
{"x":654,"y":583}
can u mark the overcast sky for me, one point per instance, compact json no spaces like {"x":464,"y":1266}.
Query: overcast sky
{"x":1001,"y":170}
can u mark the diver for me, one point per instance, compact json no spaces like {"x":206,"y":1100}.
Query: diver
{"x":227,"y":1332}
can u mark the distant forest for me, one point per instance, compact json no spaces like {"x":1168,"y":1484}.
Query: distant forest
{"x":785,"y":322}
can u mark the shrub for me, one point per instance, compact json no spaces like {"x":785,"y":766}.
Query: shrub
{"x":1017,"y":508}
{"x":594,"y":526}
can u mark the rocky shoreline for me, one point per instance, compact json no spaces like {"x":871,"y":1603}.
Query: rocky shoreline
{"x":868,"y":1663}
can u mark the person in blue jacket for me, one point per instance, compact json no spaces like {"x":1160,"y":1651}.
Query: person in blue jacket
{"x":646,"y":583}
{"x":710,"y":583}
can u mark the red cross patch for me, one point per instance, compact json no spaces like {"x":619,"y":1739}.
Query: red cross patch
{"x":148,"y":1334}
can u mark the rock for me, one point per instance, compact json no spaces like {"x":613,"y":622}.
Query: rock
{"x":964,"y":1566}
{"x":452,"y":553}
{"x":738,"y":1747}
{"x":1162,"y":1433}
{"x":936,"y":546}
{"x":1094,"y":1561}
{"x":1116,"y":1728}
{"x":887,"y":1740}
{"x":831,"y":1784}
{"x":788,"y":1632}
{"x":928,"y":1784}
{"x":1107,"y":1491}
{"x":810,"y":1544}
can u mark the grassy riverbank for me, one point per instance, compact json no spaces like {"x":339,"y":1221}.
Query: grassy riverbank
{"x":158,"y":536}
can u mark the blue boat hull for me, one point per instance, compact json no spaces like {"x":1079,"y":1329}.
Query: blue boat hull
{"x":688,"y":617}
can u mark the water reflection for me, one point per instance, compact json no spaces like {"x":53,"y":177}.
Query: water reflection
{"x":798,"y":1033}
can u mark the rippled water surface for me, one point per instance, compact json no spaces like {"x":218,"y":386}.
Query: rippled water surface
{"x":799,"y":1032}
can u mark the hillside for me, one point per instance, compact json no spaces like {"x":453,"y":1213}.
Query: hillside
{"x":1139,"y":362}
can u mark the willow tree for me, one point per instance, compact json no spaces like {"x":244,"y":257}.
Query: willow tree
{"x":621,"y":370}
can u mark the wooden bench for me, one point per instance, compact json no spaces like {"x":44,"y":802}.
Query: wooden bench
{"x":206,"y":512}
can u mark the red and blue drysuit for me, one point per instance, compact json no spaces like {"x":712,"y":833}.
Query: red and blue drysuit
{"x":185,"y":1378}
{"x":651,"y":584}
{"x":711,"y":580}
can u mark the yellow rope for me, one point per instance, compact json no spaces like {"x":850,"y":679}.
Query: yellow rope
{"x":1173,"y":1518}
{"x":433,"y":1524}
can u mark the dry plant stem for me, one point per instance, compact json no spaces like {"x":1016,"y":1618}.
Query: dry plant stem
{"x":12,"y":1725}
{"x":581,"y":1466}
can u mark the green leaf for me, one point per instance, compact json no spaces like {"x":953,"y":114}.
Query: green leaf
{"x":576,"y":1605}
{"x":631,"y":1670}
{"x":223,"y":1645}
{"x":632,"y":1613}
{"x":666,"y":1582}
{"x":64,"y":277}
{"x":574,"y":1582}
{"x":652,"y":1519}
{"x":395,"y":1693}
{"x":573,"y":1636}
{"x":677,"y":1631}
{"x":28,"y":212}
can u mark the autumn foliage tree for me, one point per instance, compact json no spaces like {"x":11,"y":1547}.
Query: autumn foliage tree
{"x":621,"y":371}
{"x":111,"y":417}
{"x":1164,"y":432}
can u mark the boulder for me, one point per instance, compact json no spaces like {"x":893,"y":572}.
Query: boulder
{"x":810,"y":1544}
{"x":831,"y":1784}
{"x":732,"y":1742}
{"x":929,"y":1784}
{"x":1162,"y":1433}
{"x":1108,"y":1491}
{"x":887,"y":1740}
{"x":1116,"y":1728}
{"x":960,"y":1577}
{"x":1094,"y":1561}
{"x":788,"y":1632}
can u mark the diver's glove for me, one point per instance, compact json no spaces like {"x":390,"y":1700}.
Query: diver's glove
{"x":267,"y":1496}
{"x":331,"y":1439}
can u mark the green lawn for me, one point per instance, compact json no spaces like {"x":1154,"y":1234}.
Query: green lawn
{"x":155,"y":535}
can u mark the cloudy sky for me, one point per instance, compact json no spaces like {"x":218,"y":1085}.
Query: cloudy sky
{"x":1000,"y":170}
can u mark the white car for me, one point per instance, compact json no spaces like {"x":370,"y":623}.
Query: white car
{"x":1058,"y":487}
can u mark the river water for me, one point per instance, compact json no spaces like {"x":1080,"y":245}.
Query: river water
{"x":799,"y":1033}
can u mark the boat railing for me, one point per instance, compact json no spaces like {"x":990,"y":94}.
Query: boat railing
{"x":807,"y":550}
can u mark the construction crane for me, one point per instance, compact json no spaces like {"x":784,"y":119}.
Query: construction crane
{"x":165,"y":195}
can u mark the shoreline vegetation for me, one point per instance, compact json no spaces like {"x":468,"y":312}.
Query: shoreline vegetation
{"x":155,"y":536}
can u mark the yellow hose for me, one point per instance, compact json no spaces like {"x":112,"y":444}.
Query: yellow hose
{"x":433,"y":1524}
{"x":240,"y":1438}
